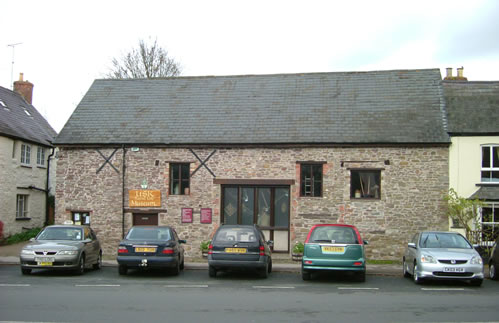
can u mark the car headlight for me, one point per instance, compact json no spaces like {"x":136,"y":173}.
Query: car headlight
{"x":428,"y":259}
{"x":477,"y":260}
{"x":26,"y":252}
{"x":67,"y":252}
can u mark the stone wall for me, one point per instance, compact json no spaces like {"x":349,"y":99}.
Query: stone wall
{"x":413,"y":181}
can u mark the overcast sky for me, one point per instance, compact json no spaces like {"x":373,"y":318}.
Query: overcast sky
{"x":68,"y":44}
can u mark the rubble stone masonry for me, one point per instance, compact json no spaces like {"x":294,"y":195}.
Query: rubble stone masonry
{"x":413,"y":183}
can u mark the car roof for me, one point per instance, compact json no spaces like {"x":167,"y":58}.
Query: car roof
{"x":67,"y":226}
{"x":334,"y":225}
{"x":152,"y":227}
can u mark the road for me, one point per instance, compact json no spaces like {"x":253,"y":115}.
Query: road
{"x":104,"y":296}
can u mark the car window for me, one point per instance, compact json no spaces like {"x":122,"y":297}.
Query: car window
{"x":138,"y":233}
{"x":235,"y":234}
{"x":334,"y":234}
{"x":74,"y":234}
{"x":87,"y":233}
{"x":443,"y":240}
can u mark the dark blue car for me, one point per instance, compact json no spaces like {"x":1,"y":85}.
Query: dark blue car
{"x":151,"y":247}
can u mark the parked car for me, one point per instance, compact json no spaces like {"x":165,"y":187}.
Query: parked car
{"x":151,"y":247}
{"x":334,"y":247}
{"x":494,"y":261}
{"x":239,"y":247}
{"x":442,"y":255}
{"x":73,"y":247}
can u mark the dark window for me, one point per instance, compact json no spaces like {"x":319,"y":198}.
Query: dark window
{"x":365,"y":184}
{"x":311,"y":180}
{"x":179,"y":179}
{"x":81,"y":218}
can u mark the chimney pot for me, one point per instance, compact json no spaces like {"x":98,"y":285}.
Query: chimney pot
{"x":460,"y":71}
{"x":24,"y":88}
{"x":449,"y":71}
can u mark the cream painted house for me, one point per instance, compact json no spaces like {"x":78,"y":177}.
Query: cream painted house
{"x":473,"y":116}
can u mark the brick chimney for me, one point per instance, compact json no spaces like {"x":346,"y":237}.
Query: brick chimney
{"x":24,"y":88}
{"x":459,"y":77}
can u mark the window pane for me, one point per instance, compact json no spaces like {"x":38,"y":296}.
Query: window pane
{"x":486,"y":176}
{"x":185,"y":171}
{"x":281,"y":207}
{"x":306,"y":180}
{"x":487,"y":214}
{"x":230,"y":205}
{"x":185,"y":185}
{"x":486,"y":157}
{"x":365,"y":184}
{"x":317,"y":180}
{"x":495,"y":157}
{"x":248,"y":205}
{"x":495,"y":176}
{"x":175,"y":171}
{"x":263,"y":216}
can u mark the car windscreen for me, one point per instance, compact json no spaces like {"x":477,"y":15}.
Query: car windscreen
{"x":443,"y":240}
{"x":74,"y":234}
{"x":138,"y":233}
{"x":334,"y":234}
{"x":236,"y":234}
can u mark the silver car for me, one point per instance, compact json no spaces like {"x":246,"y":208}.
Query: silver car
{"x":73,"y":247}
{"x":442,"y":255}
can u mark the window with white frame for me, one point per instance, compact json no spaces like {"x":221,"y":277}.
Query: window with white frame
{"x":490,"y":164}
{"x":22,"y":206}
{"x":25,"y":154}
{"x":40,"y":156}
{"x":490,"y":221}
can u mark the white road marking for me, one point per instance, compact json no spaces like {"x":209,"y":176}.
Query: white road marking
{"x":15,"y":285}
{"x":274,"y":287}
{"x":442,"y":289}
{"x":186,"y":286}
{"x":358,"y":288}
{"x":98,"y":285}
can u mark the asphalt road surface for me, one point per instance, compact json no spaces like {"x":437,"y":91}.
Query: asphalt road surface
{"x":104,"y":296}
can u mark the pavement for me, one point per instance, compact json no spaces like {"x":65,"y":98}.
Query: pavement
{"x":9,"y":255}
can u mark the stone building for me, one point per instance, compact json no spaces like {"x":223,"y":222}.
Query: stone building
{"x":283,"y":151}
{"x":473,"y":117}
{"x":25,"y":161}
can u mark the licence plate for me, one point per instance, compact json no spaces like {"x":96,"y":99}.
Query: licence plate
{"x":44,"y":263}
{"x":45,"y":259}
{"x":235,"y":250}
{"x":453,"y":270}
{"x":333,"y":249}
{"x":145,"y":249}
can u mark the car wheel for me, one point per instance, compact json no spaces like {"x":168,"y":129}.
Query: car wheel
{"x":404,"y":269}
{"x":122,"y":269}
{"x":361,"y":276}
{"x":476,"y":282}
{"x":81,"y":266}
{"x":212,"y":272}
{"x":305,"y":275}
{"x":176,"y":269}
{"x":270,"y":266}
{"x":264,"y":273}
{"x":98,"y":264}
{"x":26,"y":271}
{"x":182,"y":265}
{"x":415,"y":275}
{"x":493,"y":271}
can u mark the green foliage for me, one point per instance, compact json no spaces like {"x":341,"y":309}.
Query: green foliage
{"x":23,"y":236}
{"x":298,"y":247}
{"x":204,"y":245}
{"x":463,"y":211}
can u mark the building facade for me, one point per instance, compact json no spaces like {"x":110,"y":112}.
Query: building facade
{"x":25,"y":161}
{"x":281,"y":151}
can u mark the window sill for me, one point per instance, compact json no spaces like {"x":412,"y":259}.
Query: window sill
{"x":26,"y":166}
{"x":23,"y":219}
{"x":365,"y":199}
{"x":311,"y":197}
{"x":41,"y":166}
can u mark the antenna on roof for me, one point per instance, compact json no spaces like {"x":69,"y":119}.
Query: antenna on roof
{"x":12,"y":70}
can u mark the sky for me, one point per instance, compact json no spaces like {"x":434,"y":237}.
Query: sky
{"x":63,"y":46}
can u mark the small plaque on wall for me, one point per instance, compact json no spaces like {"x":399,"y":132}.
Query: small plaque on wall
{"x":205,"y":215}
{"x":187,"y":215}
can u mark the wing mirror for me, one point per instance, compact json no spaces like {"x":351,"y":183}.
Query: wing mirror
{"x":270,"y":243}
{"x":366,"y":242}
{"x":411,"y":245}
{"x":182,"y":241}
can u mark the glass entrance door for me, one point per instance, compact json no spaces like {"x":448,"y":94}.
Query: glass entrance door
{"x":267,"y":206}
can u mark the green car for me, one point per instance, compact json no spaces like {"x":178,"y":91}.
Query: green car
{"x":334,"y":247}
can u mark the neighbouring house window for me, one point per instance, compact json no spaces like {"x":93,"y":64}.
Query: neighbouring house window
{"x":40,"y":156}
{"x":490,"y":222}
{"x":22,"y":206}
{"x":179,"y":179}
{"x":490,"y":163}
{"x":365,"y":184}
{"x":311,"y":180}
{"x":25,"y":154}
{"x":80,"y":218}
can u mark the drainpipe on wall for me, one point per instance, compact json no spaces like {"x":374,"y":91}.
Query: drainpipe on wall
{"x":47,"y":190}
{"x":123,"y":193}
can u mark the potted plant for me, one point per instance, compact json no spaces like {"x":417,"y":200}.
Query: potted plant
{"x":204,"y":246}
{"x":297,"y":252}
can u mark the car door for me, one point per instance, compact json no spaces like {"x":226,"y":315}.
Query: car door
{"x":91,"y":246}
{"x":410,"y":253}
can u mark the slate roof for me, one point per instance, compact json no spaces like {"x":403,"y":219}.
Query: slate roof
{"x":472,"y":107}
{"x":488,"y":193}
{"x":16,"y":123}
{"x":399,"y":106}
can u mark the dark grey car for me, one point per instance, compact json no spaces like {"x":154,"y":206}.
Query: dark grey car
{"x":239,"y":247}
{"x":73,"y":247}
